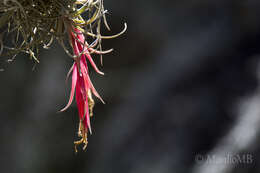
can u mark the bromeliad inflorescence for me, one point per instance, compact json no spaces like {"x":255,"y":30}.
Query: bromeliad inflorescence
{"x":30,"y":24}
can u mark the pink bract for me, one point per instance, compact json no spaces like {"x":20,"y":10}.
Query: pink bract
{"x":82,"y":84}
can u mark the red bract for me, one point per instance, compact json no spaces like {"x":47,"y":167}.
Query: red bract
{"x":82,"y":84}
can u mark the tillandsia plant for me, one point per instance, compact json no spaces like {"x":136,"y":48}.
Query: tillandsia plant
{"x":27,"y":25}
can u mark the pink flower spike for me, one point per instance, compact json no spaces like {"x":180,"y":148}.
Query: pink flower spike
{"x":82,"y":86}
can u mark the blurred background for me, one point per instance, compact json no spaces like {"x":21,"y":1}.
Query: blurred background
{"x":181,"y":90}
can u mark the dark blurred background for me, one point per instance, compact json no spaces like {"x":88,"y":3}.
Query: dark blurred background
{"x":181,"y":92}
